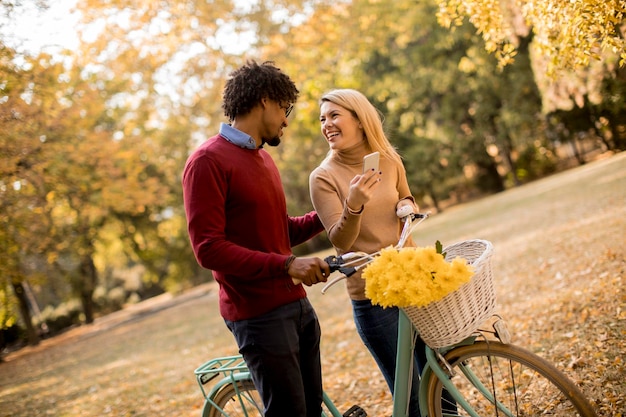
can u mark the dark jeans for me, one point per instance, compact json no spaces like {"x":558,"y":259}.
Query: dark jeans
{"x":378,"y":328}
{"x":282,"y":350}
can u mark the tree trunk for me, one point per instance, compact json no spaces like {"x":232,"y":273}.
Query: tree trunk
{"x":433,"y":197}
{"x":488,"y":179}
{"x":505,"y":150}
{"x":20,"y":294}
{"x":577,"y":154}
{"x":89,"y":280}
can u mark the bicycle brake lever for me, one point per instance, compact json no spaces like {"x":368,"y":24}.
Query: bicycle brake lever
{"x":347,"y":271}
{"x":334,"y":262}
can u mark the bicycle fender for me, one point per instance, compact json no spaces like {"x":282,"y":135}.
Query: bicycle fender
{"x":423,"y":389}
{"x":239,"y":376}
{"x":206,"y":408}
{"x":208,"y":402}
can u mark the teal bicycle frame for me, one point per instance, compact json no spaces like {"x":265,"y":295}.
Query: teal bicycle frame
{"x":404,"y":361}
{"x":406,"y":346}
{"x":234,"y":369}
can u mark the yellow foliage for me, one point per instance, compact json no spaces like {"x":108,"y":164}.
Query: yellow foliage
{"x":567,"y":33}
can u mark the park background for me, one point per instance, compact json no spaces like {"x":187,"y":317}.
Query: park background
{"x":93,"y":138}
{"x":558,"y":268}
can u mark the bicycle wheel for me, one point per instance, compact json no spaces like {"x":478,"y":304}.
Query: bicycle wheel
{"x":522,"y":383}
{"x":247,"y":403}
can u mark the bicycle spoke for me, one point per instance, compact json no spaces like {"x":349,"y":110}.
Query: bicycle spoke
{"x":240,"y":401}
{"x":502,"y":380}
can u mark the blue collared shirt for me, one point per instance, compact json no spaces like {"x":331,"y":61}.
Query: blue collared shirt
{"x":237,"y":137}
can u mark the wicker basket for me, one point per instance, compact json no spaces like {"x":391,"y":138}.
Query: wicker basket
{"x":458,"y":315}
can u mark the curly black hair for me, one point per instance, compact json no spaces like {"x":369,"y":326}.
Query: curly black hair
{"x":251,"y":83}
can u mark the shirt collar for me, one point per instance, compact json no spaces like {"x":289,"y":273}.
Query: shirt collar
{"x":237,"y":137}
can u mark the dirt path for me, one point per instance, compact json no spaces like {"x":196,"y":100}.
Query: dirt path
{"x":119,"y":318}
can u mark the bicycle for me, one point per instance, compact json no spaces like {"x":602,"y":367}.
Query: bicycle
{"x":480,"y":369}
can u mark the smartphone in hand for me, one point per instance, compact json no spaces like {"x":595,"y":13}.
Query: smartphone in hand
{"x":371,"y":162}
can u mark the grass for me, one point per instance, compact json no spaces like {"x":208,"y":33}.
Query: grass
{"x":559,"y":266}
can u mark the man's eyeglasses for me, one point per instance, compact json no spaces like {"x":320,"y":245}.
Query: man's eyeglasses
{"x":288,"y":110}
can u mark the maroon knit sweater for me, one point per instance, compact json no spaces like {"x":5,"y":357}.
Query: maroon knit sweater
{"x":239,"y":227}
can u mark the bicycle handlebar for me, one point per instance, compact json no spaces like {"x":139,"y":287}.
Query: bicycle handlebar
{"x":349,"y":263}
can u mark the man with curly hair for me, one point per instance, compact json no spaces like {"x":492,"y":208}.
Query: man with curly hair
{"x":239,"y":228}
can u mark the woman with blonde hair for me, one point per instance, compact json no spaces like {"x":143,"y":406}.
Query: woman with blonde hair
{"x":358,"y":210}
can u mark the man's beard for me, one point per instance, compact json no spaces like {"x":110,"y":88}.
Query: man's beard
{"x":275,"y":141}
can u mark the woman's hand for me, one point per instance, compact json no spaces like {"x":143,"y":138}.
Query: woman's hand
{"x":362,"y":189}
{"x":407,"y":202}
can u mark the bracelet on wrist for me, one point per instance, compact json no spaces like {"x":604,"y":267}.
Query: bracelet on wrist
{"x":354,"y":212}
{"x":289,"y":261}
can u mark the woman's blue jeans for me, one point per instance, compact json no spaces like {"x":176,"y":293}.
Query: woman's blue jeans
{"x":378,"y":328}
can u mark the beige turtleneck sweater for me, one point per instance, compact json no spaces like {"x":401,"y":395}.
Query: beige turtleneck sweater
{"x":377,"y":226}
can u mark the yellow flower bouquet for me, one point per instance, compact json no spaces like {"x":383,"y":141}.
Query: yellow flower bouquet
{"x":414,"y":276}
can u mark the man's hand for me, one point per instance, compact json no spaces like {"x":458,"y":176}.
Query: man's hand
{"x":308,"y":271}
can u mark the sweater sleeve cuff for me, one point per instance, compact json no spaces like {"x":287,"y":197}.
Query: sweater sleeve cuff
{"x":354,"y":212}
{"x":288,"y":262}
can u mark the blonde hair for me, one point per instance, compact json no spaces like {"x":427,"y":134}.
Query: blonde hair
{"x":369,"y":116}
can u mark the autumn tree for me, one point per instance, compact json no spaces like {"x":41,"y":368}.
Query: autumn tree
{"x":568,"y":34}
{"x":172,"y":59}
{"x":21,"y":194}
{"x":62,"y":133}
{"x":445,"y":105}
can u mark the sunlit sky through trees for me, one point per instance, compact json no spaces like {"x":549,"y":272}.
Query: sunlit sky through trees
{"x":31,"y":30}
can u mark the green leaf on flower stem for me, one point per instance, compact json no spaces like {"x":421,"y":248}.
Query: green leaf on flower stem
{"x":439,"y":248}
